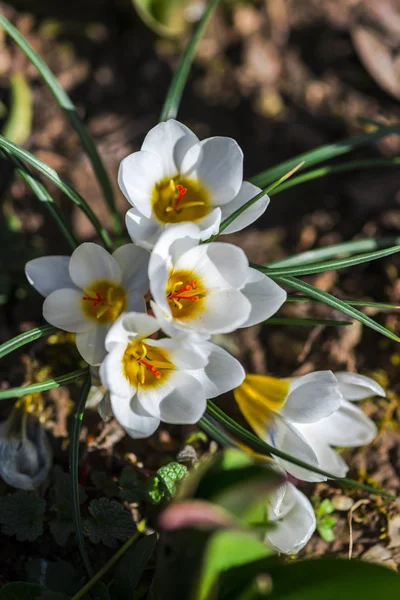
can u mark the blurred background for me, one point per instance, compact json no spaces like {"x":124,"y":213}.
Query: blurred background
{"x":279,"y":76}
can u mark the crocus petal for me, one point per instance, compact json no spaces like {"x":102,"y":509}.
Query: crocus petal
{"x":143,"y":231}
{"x":357,"y":387}
{"x":349,"y":426}
{"x":133,"y":263}
{"x":91,"y":344}
{"x":251,"y":214}
{"x":184,"y":354}
{"x":328,"y":459}
{"x":49,"y":273}
{"x":186,"y":403}
{"x":90,"y":262}
{"x":173,"y":242}
{"x":223,"y":312}
{"x":312,"y":397}
{"x":209,"y":225}
{"x":222,"y":373}
{"x":138,"y":174}
{"x":217,"y":163}
{"x":63,"y":309}
{"x":265,"y":296}
{"x":290,"y":440}
{"x":170,"y":326}
{"x":170,"y":141}
{"x":112,"y":373}
{"x":291,"y":533}
{"x":130,"y":326}
{"x":131,"y":415}
{"x":135,"y":302}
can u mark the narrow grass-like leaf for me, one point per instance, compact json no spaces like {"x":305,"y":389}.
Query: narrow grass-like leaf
{"x":262,"y":447}
{"x":74,"y":474}
{"x":19,"y":122}
{"x":305,"y":322}
{"x":43,"y":386}
{"x":174,"y":94}
{"x":25,"y":338}
{"x":53,"y":176}
{"x":313,"y":292}
{"x":329,"y":265}
{"x":313,"y":256}
{"x":43,"y":196}
{"x":322,"y":153}
{"x":332,"y":169}
{"x":364,"y":303}
{"x":70,"y":110}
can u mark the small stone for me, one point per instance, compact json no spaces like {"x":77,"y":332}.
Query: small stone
{"x":343,"y":503}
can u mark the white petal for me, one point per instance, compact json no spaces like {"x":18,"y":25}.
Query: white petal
{"x":90,"y":263}
{"x":138,"y":174}
{"x":91,"y":344}
{"x":49,"y":273}
{"x":130,"y":326}
{"x":169,"y":325}
{"x":312,"y":397}
{"x":186,"y":403}
{"x":209,"y":225}
{"x":265,"y":296}
{"x":348,"y":426}
{"x":185,"y":354}
{"x":290,"y":440}
{"x":104,"y":408}
{"x":135,"y":302}
{"x":328,"y":459}
{"x":170,"y":141}
{"x":63,"y":309}
{"x":112,"y":373}
{"x":217,"y":163}
{"x":143,"y":231}
{"x":136,"y":421}
{"x":291,"y":533}
{"x":133,"y":263}
{"x":223,"y":312}
{"x":357,"y":387}
{"x":173,"y":242}
{"x":222,"y":373}
{"x":251,"y":214}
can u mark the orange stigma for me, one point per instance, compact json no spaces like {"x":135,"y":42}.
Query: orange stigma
{"x":181,"y":293}
{"x":98,"y":300}
{"x":182,"y":191}
{"x":151,"y":368}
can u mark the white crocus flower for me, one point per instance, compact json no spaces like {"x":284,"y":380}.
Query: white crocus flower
{"x":161,"y":380}
{"x":306,"y":416}
{"x":207,"y":288}
{"x":87,"y":292}
{"x":176,"y":178}
{"x":292,"y":517}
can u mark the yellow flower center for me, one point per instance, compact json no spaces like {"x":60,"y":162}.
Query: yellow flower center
{"x":259,"y":397}
{"x":179,"y":199}
{"x":145,"y":365}
{"x":186,"y":294}
{"x":104,"y":301}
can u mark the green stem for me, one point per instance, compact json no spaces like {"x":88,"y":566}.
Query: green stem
{"x":70,"y":111}
{"x":106,"y":567}
{"x":25,"y":338}
{"x":43,"y":386}
{"x":74,"y":474}
{"x":175,"y":91}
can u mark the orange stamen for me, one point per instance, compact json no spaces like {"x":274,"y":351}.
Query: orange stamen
{"x":150,"y":367}
{"x":179,"y":294}
{"x":182,"y":191}
{"x":99,"y":298}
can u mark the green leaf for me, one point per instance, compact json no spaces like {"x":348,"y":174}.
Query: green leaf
{"x":109,"y":522}
{"x":20,"y":591}
{"x":332,"y":265}
{"x":130,"y":568}
{"x":330,"y":300}
{"x":321,"y":154}
{"x":53,"y":176}
{"x":365,"y":303}
{"x":58,"y":576}
{"x":104,"y":483}
{"x":19,"y":122}
{"x":62,"y":525}
{"x":43,"y":386}
{"x":70,"y":111}
{"x":331,"y":579}
{"x":325,"y":528}
{"x":175,"y":91}
{"x":61,"y":529}
{"x":25,"y":338}
{"x":165,"y":18}
{"x":21,"y":514}
{"x":227,"y":550}
{"x":132,"y":489}
{"x":305,"y":322}
{"x":170,"y":475}
{"x":325,"y":508}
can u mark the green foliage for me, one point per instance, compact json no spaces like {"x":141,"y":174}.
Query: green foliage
{"x":131,"y":488}
{"x":325,"y":522}
{"x":163,"y":485}
{"x":130,"y":568}
{"x":61,"y":524}
{"x":104,"y":483}
{"x":21,"y":515}
{"x":20,"y":591}
{"x":58,"y":577}
{"x":108,"y":523}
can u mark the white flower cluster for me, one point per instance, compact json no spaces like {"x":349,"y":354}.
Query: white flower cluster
{"x":180,"y":189}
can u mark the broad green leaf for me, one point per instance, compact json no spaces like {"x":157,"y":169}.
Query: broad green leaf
{"x":130,"y":568}
{"x":333,"y":579}
{"x":108,"y":522}
{"x":21,"y":514}
{"x":336,"y":303}
{"x":175,"y":91}
{"x":70,"y":111}
{"x":21,"y":591}
{"x":43,"y":385}
{"x":25,"y":338}
{"x":53,"y":176}
{"x":322,"y":153}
